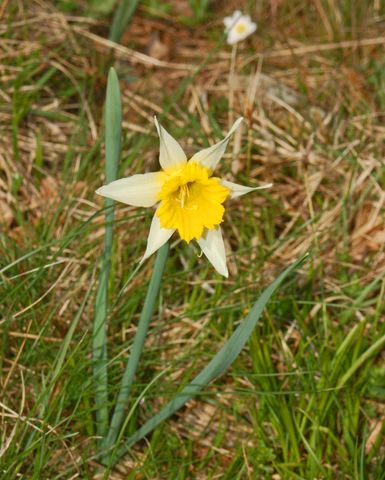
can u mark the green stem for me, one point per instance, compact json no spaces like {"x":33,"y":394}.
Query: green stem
{"x":137,"y":347}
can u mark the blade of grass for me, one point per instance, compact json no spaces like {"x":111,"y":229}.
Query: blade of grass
{"x":361,"y":360}
{"x":113,"y":121}
{"x":221,"y":361}
{"x":59,"y":361}
{"x":137,"y":347}
{"x":127,"y":419}
{"x":122,"y":16}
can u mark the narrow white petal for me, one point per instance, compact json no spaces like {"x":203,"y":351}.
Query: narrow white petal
{"x":228,"y":22}
{"x":232,"y":37}
{"x":213,"y":247}
{"x":239,"y":190}
{"x":139,"y":190}
{"x":209,"y":157}
{"x":171,"y":154}
{"x":231,"y":20}
{"x":157,"y":237}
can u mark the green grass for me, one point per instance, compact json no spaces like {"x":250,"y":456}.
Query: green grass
{"x":304,"y":400}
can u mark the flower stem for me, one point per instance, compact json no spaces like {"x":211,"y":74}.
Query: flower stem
{"x":232,"y":83}
{"x":137,"y":347}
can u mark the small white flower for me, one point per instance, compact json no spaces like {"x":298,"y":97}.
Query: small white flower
{"x":187,"y":197}
{"x":238,"y":27}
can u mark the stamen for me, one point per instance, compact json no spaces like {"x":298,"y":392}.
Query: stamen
{"x":184,"y":193}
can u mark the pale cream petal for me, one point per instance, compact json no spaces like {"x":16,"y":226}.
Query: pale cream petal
{"x":171,"y":154}
{"x":209,"y":157}
{"x":239,"y":190}
{"x":213,"y":247}
{"x":157,"y":237}
{"x":139,"y":190}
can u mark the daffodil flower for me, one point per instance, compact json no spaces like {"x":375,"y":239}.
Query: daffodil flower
{"x":238,"y":27}
{"x":188,"y":198}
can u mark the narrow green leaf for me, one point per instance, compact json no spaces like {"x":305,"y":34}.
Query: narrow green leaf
{"x":221,"y":361}
{"x":113,"y":121}
{"x":137,"y":346}
{"x":121,"y":18}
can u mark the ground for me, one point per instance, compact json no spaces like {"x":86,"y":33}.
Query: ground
{"x":305,"y":399}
